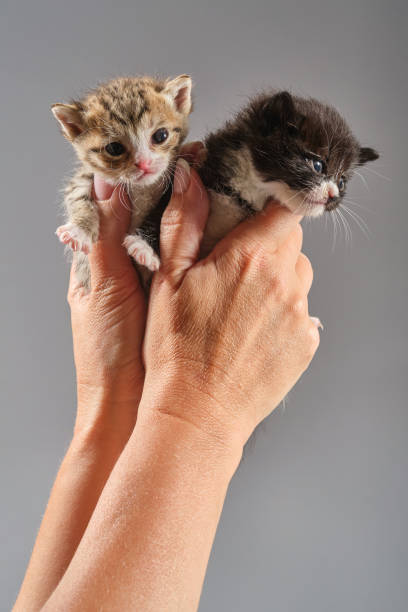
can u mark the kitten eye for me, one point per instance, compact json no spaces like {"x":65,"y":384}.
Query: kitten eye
{"x":115,"y":149}
{"x":317,"y":166}
{"x":160,"y":135}
{"x":342,"y":184}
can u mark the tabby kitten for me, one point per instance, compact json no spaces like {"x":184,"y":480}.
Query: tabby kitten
{"x":296,"y":150}
{"x":129,"y":131}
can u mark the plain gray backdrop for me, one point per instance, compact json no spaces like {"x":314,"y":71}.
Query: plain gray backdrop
{"x":316,"y":516}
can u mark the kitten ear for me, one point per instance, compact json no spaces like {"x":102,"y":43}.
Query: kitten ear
{"x":281,"y":109}
{"x":366,"y":154}
{"x":70,"y":118}
{"x":179,"y":90}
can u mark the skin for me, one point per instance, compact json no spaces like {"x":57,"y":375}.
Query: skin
{"x":144,"y":541}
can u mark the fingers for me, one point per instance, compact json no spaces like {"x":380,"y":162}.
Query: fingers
{"x":108,"y":258}
{"x":304,"y":272}
{"x":183,"y":223}
{"x":114,"y":210}
{"x":269,"y":229}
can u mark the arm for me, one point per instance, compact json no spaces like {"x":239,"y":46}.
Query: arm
{"x":109,"y":379}
{"x":226,"y":339}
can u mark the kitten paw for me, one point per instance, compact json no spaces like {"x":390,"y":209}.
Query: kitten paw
{"x":141,"y":252}
{"x":317,"y":322}
{"x":74,"y":237}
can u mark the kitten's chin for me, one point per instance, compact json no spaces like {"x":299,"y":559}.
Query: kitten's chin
{"x":296,"y":202}
{"x":145,"y":180}
{"x":300,"y":206}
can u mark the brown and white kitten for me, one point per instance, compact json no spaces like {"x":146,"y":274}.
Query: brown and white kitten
{"x":296,"y":150}
{"x":129,"y":131}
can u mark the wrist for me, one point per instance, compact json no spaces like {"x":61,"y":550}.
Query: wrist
{"x":197,"y":413}
{"x":106,"y":411}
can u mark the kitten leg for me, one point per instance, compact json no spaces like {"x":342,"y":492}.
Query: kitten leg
{"x":317,"y":322}
{"x":141,"y":251}
{"x":82,"y":228}
{"x":75,"y":237}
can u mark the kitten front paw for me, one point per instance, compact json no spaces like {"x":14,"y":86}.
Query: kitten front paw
{"x":74,"y":237}
{"x":141,"y":252}
{"x":317,"y":322}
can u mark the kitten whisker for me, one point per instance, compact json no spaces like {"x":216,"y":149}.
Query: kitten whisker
{"x":110,"y":201}
{"x":335,"y":224}
{"x":358,"y":220}
{"x":386,"y":178}
{"x":358,"y":205}
{"x":198,"y":185}
{"x":362,"y":178}
{"x":347,"y":229}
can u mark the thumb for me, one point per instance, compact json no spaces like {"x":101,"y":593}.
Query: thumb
{"x":183,"y":222}
{"x":108,"y":258}
{"x":114,"y":210}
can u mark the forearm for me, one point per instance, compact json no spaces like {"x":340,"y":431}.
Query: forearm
{"x":149,"y":539}
{"x":84,"y":471}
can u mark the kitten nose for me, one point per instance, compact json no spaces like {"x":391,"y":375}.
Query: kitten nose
{"x":143,"y":164}
{"x":332,"y":192}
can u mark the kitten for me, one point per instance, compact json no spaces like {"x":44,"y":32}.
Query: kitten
{"x":129,"y":131}
{"x":296,"y":150}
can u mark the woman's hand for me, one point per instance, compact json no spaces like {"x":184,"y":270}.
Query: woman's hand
{"x":225,"y":340}
{"x":107,"y":326}
{"x":108,"y":323}
{"x":232,"y":330}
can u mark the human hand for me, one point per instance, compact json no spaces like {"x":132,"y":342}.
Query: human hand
{"x":227,"y":337}
{"x":108,"y":322}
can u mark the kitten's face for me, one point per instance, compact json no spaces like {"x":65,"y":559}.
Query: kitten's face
{"x":304,"y":152}
{"x":130,"y":129}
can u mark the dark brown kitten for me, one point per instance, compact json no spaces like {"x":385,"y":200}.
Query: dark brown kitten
{"x":296,"y":150}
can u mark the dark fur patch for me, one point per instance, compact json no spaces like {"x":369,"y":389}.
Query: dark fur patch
{"x":283,"y":132}
{"x":118,"y":118}
{"x":142,"y":111}
{"x":106,"y":105}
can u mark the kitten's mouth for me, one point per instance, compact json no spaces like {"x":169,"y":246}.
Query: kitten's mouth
{"x":329,"y":203}
{"x":317,"y":202}
{"x":145,"y":176}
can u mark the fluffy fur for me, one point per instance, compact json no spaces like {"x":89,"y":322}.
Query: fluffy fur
{"x":129,"y":131}
{"x":296,"y":150}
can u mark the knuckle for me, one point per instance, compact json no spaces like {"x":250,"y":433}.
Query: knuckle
{"x":298,"y":305}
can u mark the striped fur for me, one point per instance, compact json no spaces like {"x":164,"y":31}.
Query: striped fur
{"x":127,"y":111}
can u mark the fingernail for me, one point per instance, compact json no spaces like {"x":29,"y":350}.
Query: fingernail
{"x":102,"y":190}
{"x":317,"y":322}
{"x":181,"y":176}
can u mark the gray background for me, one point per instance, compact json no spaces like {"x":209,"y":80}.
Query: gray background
{"x":316,"y":516}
